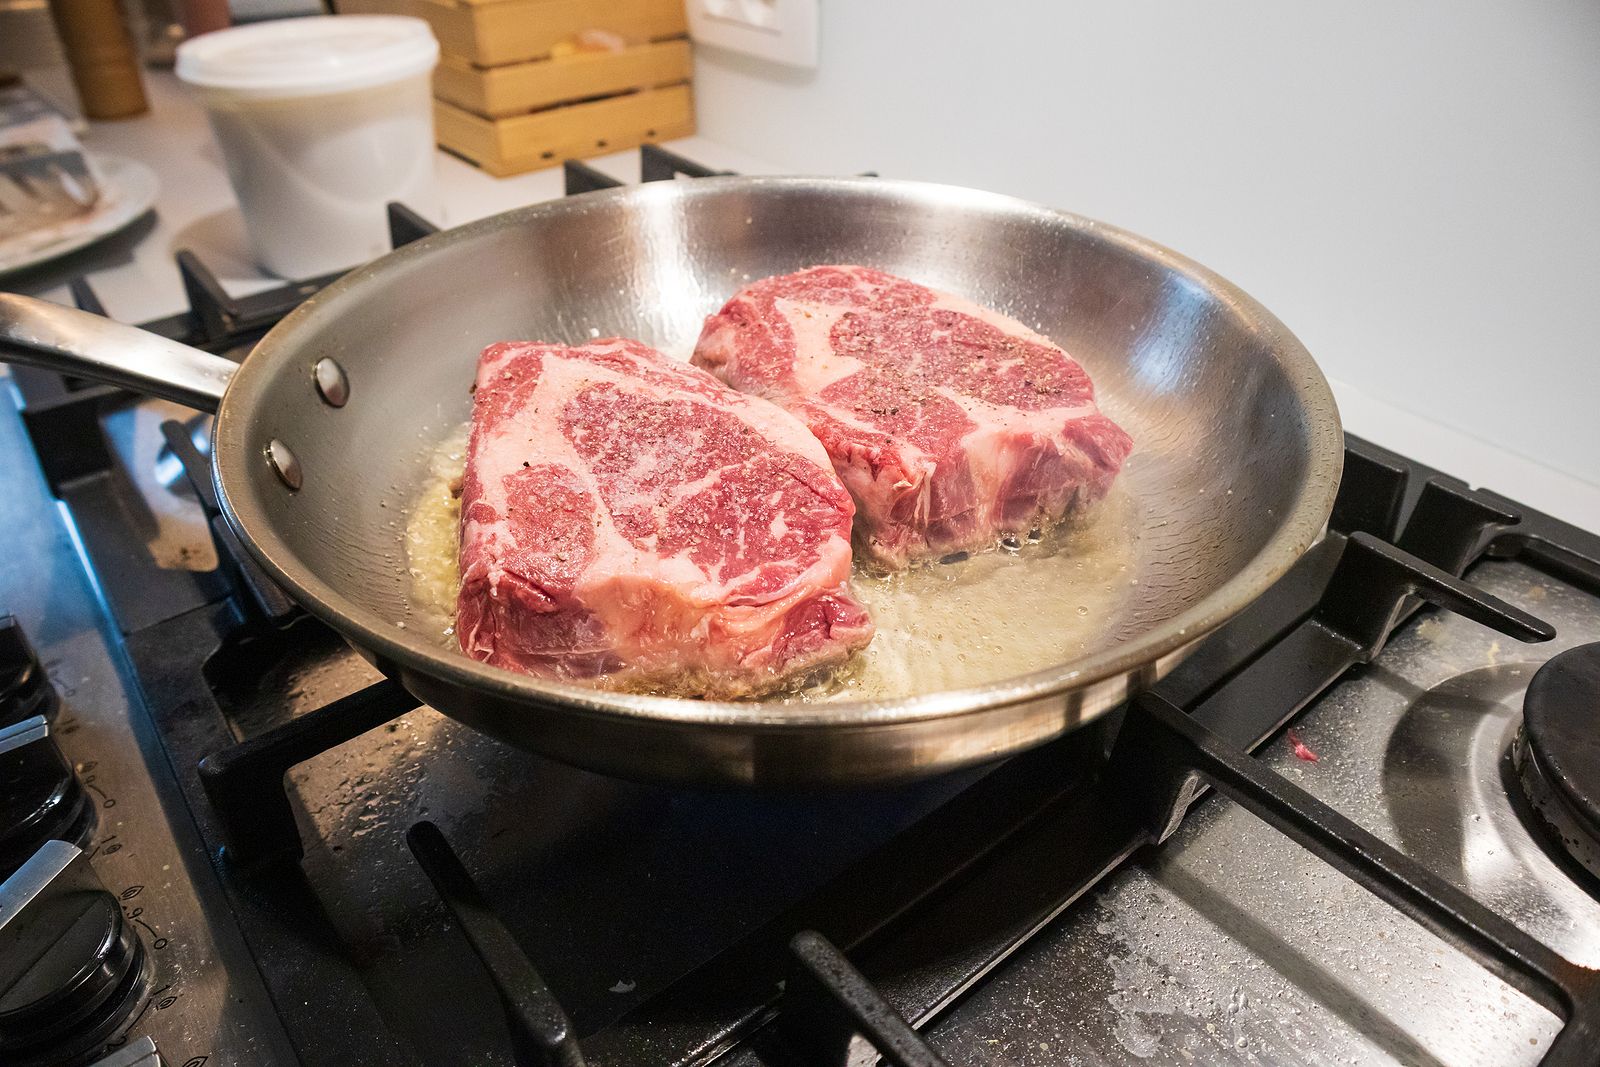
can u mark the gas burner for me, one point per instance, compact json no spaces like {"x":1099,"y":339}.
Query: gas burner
{"x":1557,"y":751}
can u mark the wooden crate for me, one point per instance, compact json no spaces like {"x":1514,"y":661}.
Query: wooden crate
{"x":492,"y":33}
{"x":498,"y":92}
{"x":521,"y":143}
{"x":505,"y":102}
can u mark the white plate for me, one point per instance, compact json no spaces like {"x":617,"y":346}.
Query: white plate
{"x":128,"y":190}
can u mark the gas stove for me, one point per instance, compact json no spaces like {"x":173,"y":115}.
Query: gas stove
{"x":235,"y":843}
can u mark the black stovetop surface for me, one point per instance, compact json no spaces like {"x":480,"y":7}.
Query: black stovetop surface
{"x":613,"y":922}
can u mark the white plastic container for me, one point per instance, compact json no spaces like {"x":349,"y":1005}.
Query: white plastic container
{"x":321,"y":121}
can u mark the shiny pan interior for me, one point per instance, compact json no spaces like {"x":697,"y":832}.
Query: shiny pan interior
{"x":1237,"y":444}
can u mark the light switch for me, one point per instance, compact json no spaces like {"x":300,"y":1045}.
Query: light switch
{"x":783,"y":31}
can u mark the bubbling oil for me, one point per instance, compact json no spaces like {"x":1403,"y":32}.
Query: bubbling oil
{"x":1027,"y":604}
{"x":1022,"y":606}
{"x":433,"y":539}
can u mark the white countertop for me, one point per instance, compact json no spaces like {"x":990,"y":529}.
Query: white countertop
{"x":136,"y":278}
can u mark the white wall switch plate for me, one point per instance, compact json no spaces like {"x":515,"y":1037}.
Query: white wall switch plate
{"x":783,"y":31}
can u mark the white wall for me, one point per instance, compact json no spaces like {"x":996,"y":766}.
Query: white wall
{"x":1414,"y":188}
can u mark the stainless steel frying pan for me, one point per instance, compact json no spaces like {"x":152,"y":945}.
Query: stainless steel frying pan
{"x":325,"y":430}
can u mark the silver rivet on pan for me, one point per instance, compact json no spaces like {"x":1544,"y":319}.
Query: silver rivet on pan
{"x":284,"y":464}
{"x":331,"y":382}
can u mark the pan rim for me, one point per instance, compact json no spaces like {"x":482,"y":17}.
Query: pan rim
{"x":1302,"y":524}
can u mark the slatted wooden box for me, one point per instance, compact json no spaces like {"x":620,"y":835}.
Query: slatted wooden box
{"x":518,"y":88}
{"x":522,"y":143}
{"x":504,"y":101}
{"x":492,"y":33}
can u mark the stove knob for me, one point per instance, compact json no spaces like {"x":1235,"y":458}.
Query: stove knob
{"x":25,"y":689}
{"x":139,"y":1053}
{"x":41,"y":798}
{"x":72,"y":969}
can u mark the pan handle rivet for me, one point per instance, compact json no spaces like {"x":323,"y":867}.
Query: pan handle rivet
{"x":284,"y":464}
{"x":331,"y":382}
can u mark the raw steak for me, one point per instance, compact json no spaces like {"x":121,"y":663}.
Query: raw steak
{"x":627,"y":517}
{"x":951,"y":425}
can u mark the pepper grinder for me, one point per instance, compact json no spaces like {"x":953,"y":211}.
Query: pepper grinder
{"x":100,"y":51}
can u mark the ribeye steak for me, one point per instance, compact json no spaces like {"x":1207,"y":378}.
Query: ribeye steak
{"x":951,"y":424}
{"x":627,"y":517}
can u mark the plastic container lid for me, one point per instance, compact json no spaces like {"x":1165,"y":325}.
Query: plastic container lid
{"x":309,"y":56}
